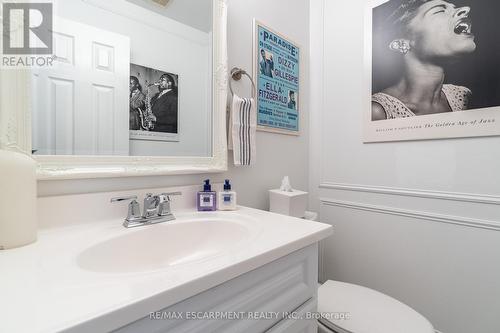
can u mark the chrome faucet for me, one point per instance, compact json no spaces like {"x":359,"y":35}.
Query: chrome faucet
{"x":156,"y":209}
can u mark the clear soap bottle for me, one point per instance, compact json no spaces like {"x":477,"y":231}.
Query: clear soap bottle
{"x":227,"y":198}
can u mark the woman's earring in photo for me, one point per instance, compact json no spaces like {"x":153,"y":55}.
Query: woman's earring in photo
{"x":400,"y":45}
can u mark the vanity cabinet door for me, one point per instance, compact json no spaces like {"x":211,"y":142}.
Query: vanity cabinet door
{"x":280,"y":286}
{"x":299,"y":322}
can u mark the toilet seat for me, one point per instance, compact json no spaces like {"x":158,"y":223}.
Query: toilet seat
{"x":369,"y":311}
{"x":330,"y":328}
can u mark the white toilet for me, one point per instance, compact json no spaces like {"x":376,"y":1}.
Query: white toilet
{"x":349,"y":308}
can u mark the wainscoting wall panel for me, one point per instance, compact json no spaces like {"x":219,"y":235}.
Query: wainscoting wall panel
{"x":417,"y":220}
{"x":463,"y":197}
{"x":446,"y":271}
{"x":471,"y":209}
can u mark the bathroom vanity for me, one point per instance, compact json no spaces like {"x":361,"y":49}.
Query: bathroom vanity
{"x":253,"y":271}
{"x":276,"y":297}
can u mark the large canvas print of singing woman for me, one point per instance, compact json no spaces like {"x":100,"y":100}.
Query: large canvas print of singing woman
{"x":424,"y":38}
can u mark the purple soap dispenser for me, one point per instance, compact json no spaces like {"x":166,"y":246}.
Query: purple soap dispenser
{"x":207,"y":199}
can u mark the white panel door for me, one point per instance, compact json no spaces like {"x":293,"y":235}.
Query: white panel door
{"x":81,"y":102}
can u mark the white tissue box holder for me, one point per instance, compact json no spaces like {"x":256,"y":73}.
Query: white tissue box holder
{"x":288,"y":203}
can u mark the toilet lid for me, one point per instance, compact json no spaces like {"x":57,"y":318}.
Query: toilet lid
{"x":351,"y":308}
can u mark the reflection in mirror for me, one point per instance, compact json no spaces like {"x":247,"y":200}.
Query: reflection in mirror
{"x":129,"y":78}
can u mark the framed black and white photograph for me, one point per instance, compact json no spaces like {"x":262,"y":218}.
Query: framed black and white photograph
{"x":433,"y":70}
{"x":154,"y":104}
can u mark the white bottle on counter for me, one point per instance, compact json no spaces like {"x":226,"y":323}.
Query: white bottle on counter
{"x":227,"y":198}
{"x":18,"y":217}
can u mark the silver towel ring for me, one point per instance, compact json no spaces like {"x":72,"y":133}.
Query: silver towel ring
{"x":236,"y":74}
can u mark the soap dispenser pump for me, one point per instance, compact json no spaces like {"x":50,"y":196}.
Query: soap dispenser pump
{"x":206,"y":199}
{"x":227,"y":198}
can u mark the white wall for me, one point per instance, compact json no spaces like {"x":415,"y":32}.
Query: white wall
{"x":277,"y":155}
{"x":416,"y":220}
{"x":161,"y":43}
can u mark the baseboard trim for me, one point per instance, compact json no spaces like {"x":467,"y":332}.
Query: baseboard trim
{"x":453,"y":196}
{"x":449,"y":219}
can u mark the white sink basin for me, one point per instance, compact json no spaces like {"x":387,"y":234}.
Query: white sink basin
{"x":157,"y":247}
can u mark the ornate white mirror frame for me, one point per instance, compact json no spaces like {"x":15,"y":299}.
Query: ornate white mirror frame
{"x":15,"y":127}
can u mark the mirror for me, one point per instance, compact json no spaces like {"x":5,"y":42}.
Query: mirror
{"x":135,"y":87}
{"x":129,"y":77}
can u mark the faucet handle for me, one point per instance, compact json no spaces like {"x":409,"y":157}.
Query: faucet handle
{"x":134,"y":209}
{"x":118,"y":199}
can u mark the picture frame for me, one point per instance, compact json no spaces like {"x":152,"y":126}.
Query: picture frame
{"x":276,"y":69}
{"x":148,"y":98}
{"x":481,"y":118}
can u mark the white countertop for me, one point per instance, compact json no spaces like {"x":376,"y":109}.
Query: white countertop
{"x":42,"y":288}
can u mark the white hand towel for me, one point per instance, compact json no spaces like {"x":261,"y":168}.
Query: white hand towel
{"x":242,"y":130}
